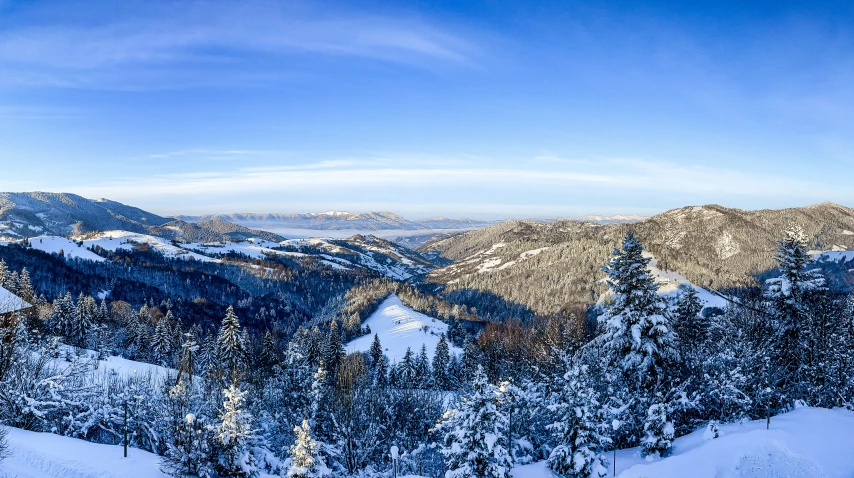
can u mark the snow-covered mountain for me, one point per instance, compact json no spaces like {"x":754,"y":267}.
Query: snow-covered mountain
{"x":24,"y":215}
{"x":611,"y":219}
{"x":359,"y":252}
{"x":37,"y":213}
{"x":338,"y":220}
{"x":552,"y":267}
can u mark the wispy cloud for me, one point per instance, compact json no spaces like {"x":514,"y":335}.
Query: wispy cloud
{"x":162,"y":41}
{"x":370,"y":178}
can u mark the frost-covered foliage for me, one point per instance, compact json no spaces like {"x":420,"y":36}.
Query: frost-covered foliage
{"x":475,"y":434}
{"x":579,"y":430}
{"x":636,"y":352}
{"x":234,"y":433}
{"x":658,"y":432}
{"x":306,"y":460}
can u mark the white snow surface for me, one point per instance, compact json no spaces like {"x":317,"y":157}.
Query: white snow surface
{"x":70,"y":249}
{"x":669,"y":282}
{"x":804,"y":443}
{"x":44,"y":455}
{"x":400,"y":327}
{"x":10,"y":302}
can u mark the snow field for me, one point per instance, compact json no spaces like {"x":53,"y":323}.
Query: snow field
{"x":803,"y":443}
{"x":399,"y":327}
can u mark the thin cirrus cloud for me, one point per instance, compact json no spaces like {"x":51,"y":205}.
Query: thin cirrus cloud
{"x":152,"y":44}
{"x":374,"y":179}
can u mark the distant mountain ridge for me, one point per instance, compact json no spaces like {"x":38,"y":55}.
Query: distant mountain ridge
{"x":24,"y":215}
{"x":549,"y":268}
{"x":339,"y":220}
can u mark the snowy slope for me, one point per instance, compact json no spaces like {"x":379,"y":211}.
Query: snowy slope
{"x":669,"y":282}
{"x":804,"y":443}
{"x":44,"y":455}
{"x":69,"y":248}
{"x":400,"y":327}
{"x":10,"y":302}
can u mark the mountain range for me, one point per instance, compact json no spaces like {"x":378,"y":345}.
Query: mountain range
{"x":549,"y":268}
{"x":338,"y":220}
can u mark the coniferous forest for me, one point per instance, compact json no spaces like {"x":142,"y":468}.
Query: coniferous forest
{"x":249,"y":372}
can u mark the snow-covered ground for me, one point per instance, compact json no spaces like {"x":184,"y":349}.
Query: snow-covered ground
{"x":69,"y":248}
{"x":670,"y":281}
{"x":44,"y":455}
{"x":804,"y":443}
{"x":10,"y":302}
{"x":400,"y":327}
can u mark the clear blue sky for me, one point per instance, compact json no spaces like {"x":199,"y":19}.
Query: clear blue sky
{"x":484,"y":109}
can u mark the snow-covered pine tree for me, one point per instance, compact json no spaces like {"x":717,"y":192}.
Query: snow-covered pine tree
{"x":161,"y":341}
{"x":578,"y":428}
{"x":475,"y":440}
{"x":230,"y":347}
{"x":233,"y":434}
{"x":187,"y":364}
{"x":658,"y":432}
{"x":321,"y":419}
{"x":406,"y":373}
{"x":688,"y":323}
{"x":84,"y":319}
{"x":306,"y":460}
{"x":62,"y":318}
{"x":790,"y":296}
{"x":269,"y":350}
{"x":441,"y":363}
{"x":637,"y":348}
{"x":376,"y":351}
{"x":379,"y":363}
{"x":422,"y":368}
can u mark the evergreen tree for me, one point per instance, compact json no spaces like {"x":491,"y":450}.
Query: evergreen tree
{"x":376,"y":352}
{"x":161,"y":341}
{"x":791,"y":294}
{"x":691,"y":327}
{"x":637,"y":348}
{"x":62,"y":317}
{"x":306,"y":460}
{"x":658,"y":432}
{"x":234,"y":433}
{"x":321,"y":417}
{"x":441,"y":365}
{"x":230,"y":349}
{"x":475,"y":442}
{"x":422,"y":368}
{"x":578,"y":429}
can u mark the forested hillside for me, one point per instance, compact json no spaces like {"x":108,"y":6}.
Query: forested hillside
{"x":555,"y":268}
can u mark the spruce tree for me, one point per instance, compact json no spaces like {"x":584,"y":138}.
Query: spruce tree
{"x":790,"y":296}
{"x":161,"y":341}
{"x":441,"y":365}
{"x":475,"y":441}
{"x":234,"y":434}
{"x":637,"y":348}
{"x":306,"y":460}
{"x":230,"y":347}
{"x":578,"y":429}
{"x":658,"y":432}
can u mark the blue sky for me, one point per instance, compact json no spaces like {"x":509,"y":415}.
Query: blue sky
{"x":483,"y":109}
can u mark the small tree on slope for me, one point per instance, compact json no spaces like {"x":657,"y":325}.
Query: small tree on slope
{"x":233,"y":434}
{"x":577,"y":429}
{"x":658,"y":432}
{"x":306,"y":460}
{"x":475,"y":442}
